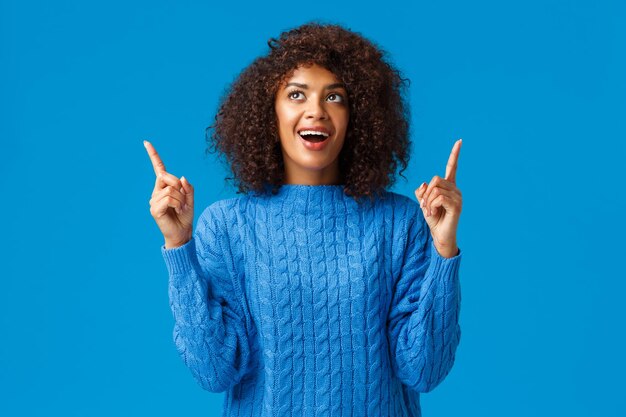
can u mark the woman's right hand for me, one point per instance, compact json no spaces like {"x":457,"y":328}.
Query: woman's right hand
{"x":171,"y":204}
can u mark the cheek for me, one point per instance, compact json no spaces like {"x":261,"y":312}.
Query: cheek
{"x":287,"y":119}
{"x":342,"y":117}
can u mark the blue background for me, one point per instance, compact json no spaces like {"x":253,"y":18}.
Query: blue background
{"x":536,"y":90}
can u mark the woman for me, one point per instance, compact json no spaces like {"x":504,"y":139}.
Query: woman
{"x":316,"y":292}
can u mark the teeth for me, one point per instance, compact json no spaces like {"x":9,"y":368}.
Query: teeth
{"x":312,"y":132}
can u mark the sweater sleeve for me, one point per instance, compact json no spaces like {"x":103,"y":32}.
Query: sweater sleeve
{"x":423,"y":324}
{"x":210,"y":331}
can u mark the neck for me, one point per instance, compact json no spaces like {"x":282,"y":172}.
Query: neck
{"x":328,"y":176}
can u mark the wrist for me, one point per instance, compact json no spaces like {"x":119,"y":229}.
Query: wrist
{"x":447,"y":250}
{"x":171,"y":244}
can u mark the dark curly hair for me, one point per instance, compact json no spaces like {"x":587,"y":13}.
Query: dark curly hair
{"x":377,"y":138}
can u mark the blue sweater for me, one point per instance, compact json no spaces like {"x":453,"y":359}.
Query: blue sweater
{"x":306,"y":303}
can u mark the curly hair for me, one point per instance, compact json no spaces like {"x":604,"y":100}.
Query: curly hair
{"x":245,"y":130}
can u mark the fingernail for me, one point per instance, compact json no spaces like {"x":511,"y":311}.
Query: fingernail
{"x":184,"y":206}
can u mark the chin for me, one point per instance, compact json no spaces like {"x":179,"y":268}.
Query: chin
{"x":315,"y":165}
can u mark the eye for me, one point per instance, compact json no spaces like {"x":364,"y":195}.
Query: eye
{"x":294,"y":94}
{"x":337,"y":98}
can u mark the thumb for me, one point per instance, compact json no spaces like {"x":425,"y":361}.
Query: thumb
{"x":188,"y":190}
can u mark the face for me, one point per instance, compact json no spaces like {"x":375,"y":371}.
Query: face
{"x":312,"y":110}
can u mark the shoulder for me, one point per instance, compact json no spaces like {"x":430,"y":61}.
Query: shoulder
{"x":408,"y":218}
{"x":223,"y":208}
{"x":221,"y":212}
{"x":225,"y":205}
{"x":401,"y":205}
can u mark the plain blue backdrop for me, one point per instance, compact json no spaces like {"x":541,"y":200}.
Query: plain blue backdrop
{"x":536,"y":90}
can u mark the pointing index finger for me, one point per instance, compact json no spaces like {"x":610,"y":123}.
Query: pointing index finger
{"x":157,"y":164}
{"x":453,"y":161}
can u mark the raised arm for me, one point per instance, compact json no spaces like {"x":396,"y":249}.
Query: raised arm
{"x":211,"y":326}
{"x":423,"y":323}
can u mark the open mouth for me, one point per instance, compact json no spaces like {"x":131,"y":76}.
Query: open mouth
{"x":313,"y":136}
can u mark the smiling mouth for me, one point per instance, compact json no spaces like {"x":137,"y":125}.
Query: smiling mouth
{"x":314,"y":137}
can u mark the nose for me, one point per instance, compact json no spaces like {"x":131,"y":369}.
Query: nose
{"x":316,"y":110}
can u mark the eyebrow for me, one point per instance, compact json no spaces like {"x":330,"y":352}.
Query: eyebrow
{"x":328,"y":87}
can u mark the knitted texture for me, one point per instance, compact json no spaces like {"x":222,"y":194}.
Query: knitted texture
{"x":306,"y":303}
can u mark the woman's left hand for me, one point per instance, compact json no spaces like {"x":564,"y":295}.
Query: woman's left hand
{"x":441,"y":203}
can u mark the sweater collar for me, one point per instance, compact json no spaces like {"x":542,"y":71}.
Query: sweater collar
{"x":314,"y":200}
{"x":310,"y":199}
{"x":302,"y":190}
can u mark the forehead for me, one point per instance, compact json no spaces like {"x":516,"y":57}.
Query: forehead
{"x":312,"y":75}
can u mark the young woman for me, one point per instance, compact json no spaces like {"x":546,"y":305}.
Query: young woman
{"x":317,"y":291}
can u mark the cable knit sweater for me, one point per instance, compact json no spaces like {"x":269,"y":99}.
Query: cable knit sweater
{"x":306,"y":303}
